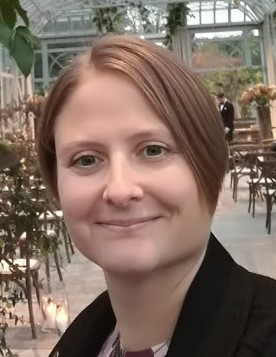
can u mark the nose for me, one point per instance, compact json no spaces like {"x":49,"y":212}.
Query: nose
{"x":122,"y":186}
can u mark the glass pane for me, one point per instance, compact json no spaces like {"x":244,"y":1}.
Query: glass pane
{"x":39,"y":87}
{"x":49,"y":27}
{"x":221,"y":16}
{"x":207,"y":5}
{"x":38,"y":65}
{"x":237,"y":15}
{"x":76,"y":25}
{"x":89,"y":24}
{"x":194,"y":6}
{"x":224,"y":34}
{"x":57,"y":61}
{"x":207,"y":17}
{"x":218,"y":54}
{"x":62,"y":26}
{"x":59,"y":45}
{"x":221,"y":5}
{"x":255,"y":49}
{"x":193,"y":18}
{"x":255,"y":32}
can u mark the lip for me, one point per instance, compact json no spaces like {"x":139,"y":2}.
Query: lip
{"x":127,"y":223}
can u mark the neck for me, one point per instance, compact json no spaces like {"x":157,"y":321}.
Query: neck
{"x":142,"y":304}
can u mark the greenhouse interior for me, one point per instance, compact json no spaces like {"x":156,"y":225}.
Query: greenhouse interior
{"x":230,"y":45}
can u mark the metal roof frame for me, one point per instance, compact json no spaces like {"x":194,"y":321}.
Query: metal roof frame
{"x":42,"y":11}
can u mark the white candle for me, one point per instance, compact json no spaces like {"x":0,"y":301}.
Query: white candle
{"x":62,"y":319}
{"x":50,"y":309}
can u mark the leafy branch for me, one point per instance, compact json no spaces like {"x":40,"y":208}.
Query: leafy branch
{"x":18,"y":39}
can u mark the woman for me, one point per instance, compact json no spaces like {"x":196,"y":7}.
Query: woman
{"x":133,"y":148}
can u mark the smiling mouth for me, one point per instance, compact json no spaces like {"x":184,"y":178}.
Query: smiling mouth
{"x":128,"y":223}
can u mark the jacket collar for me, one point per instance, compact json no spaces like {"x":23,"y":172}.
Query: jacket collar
{"x":215,"y":312}
{"x":210,"y":323}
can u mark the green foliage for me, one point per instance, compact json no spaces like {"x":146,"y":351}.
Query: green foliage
{"x":9,"y":298}
{"x":8,"y":156}
{"x":109,"y":19}
{"x":22,"y":204}
{"x":230,"y":52}
{"x":144,"y":13}
{"x":177,"y":17}
{"x":17,"y":39}
{"x":135,"y":16}
{"x":5,"y":147}
{"x":231,"y":81}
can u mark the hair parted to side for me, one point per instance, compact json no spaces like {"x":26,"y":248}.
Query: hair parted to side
{"x":175,"y":93}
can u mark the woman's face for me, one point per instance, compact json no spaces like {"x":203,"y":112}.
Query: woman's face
{"x":129,"y":198}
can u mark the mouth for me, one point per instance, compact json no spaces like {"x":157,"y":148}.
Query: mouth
{"x":127,"y":223}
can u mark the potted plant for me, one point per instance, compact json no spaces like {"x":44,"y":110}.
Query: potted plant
{"x":261,"y":95}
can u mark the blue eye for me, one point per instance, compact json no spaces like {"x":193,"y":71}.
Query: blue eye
{"x":86,"y":161}
{"x":154,"y":151}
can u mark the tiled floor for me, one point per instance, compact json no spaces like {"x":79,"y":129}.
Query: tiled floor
{"x":244,"y":237}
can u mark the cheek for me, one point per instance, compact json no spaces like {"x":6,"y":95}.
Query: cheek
{"x":178,"y":188}
{"x":76,"y":197}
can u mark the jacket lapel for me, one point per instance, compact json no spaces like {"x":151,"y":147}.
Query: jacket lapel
{"x":89,"y":331}
{"x":216,"y":308}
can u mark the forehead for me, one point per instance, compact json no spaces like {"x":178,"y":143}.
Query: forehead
{"x":99,"y":88}
{"x":107,"y":101}
{"x":106,"y":92}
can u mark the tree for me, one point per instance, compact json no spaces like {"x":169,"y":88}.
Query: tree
{"x":18,"y":39}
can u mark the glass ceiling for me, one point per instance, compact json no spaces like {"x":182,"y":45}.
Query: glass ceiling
{"x":42,"y":11}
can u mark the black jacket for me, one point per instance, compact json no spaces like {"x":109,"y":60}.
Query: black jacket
{"x":227,"y":114}
{"x":228,"y":312}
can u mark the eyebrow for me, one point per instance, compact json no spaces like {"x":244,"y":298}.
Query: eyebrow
{"x":80,"y":144}
{"x":150,"y":134}
{"x":143,"y":135}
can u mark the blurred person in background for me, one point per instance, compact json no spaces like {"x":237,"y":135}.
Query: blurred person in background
{"x":227,"y":112}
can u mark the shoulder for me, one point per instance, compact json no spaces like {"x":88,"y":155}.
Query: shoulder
{"x":229,"y":104}
{"x":264,"y":288}
{"x":264,"y":298}
{"x":260,"y":333}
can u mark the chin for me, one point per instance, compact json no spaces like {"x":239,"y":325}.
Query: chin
{"x":129,"y":265}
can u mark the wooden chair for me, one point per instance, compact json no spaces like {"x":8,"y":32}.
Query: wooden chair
{"x":256,"y":183}
{"x":268,"y":172}
{"x":241,"y":165}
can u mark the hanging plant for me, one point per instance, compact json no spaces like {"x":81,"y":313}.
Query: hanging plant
{"x":177,"y":17}
{"x":109,"y":19}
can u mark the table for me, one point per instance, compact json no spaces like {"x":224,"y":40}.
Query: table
{"x":247,"y":134}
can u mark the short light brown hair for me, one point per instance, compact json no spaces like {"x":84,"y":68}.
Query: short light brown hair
{"x":176,"y":94}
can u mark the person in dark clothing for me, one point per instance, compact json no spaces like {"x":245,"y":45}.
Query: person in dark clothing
{"x":227,"y":112}
{"x":125,"y":147}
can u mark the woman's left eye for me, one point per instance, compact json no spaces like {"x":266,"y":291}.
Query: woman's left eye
{"x":154,"y":151}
